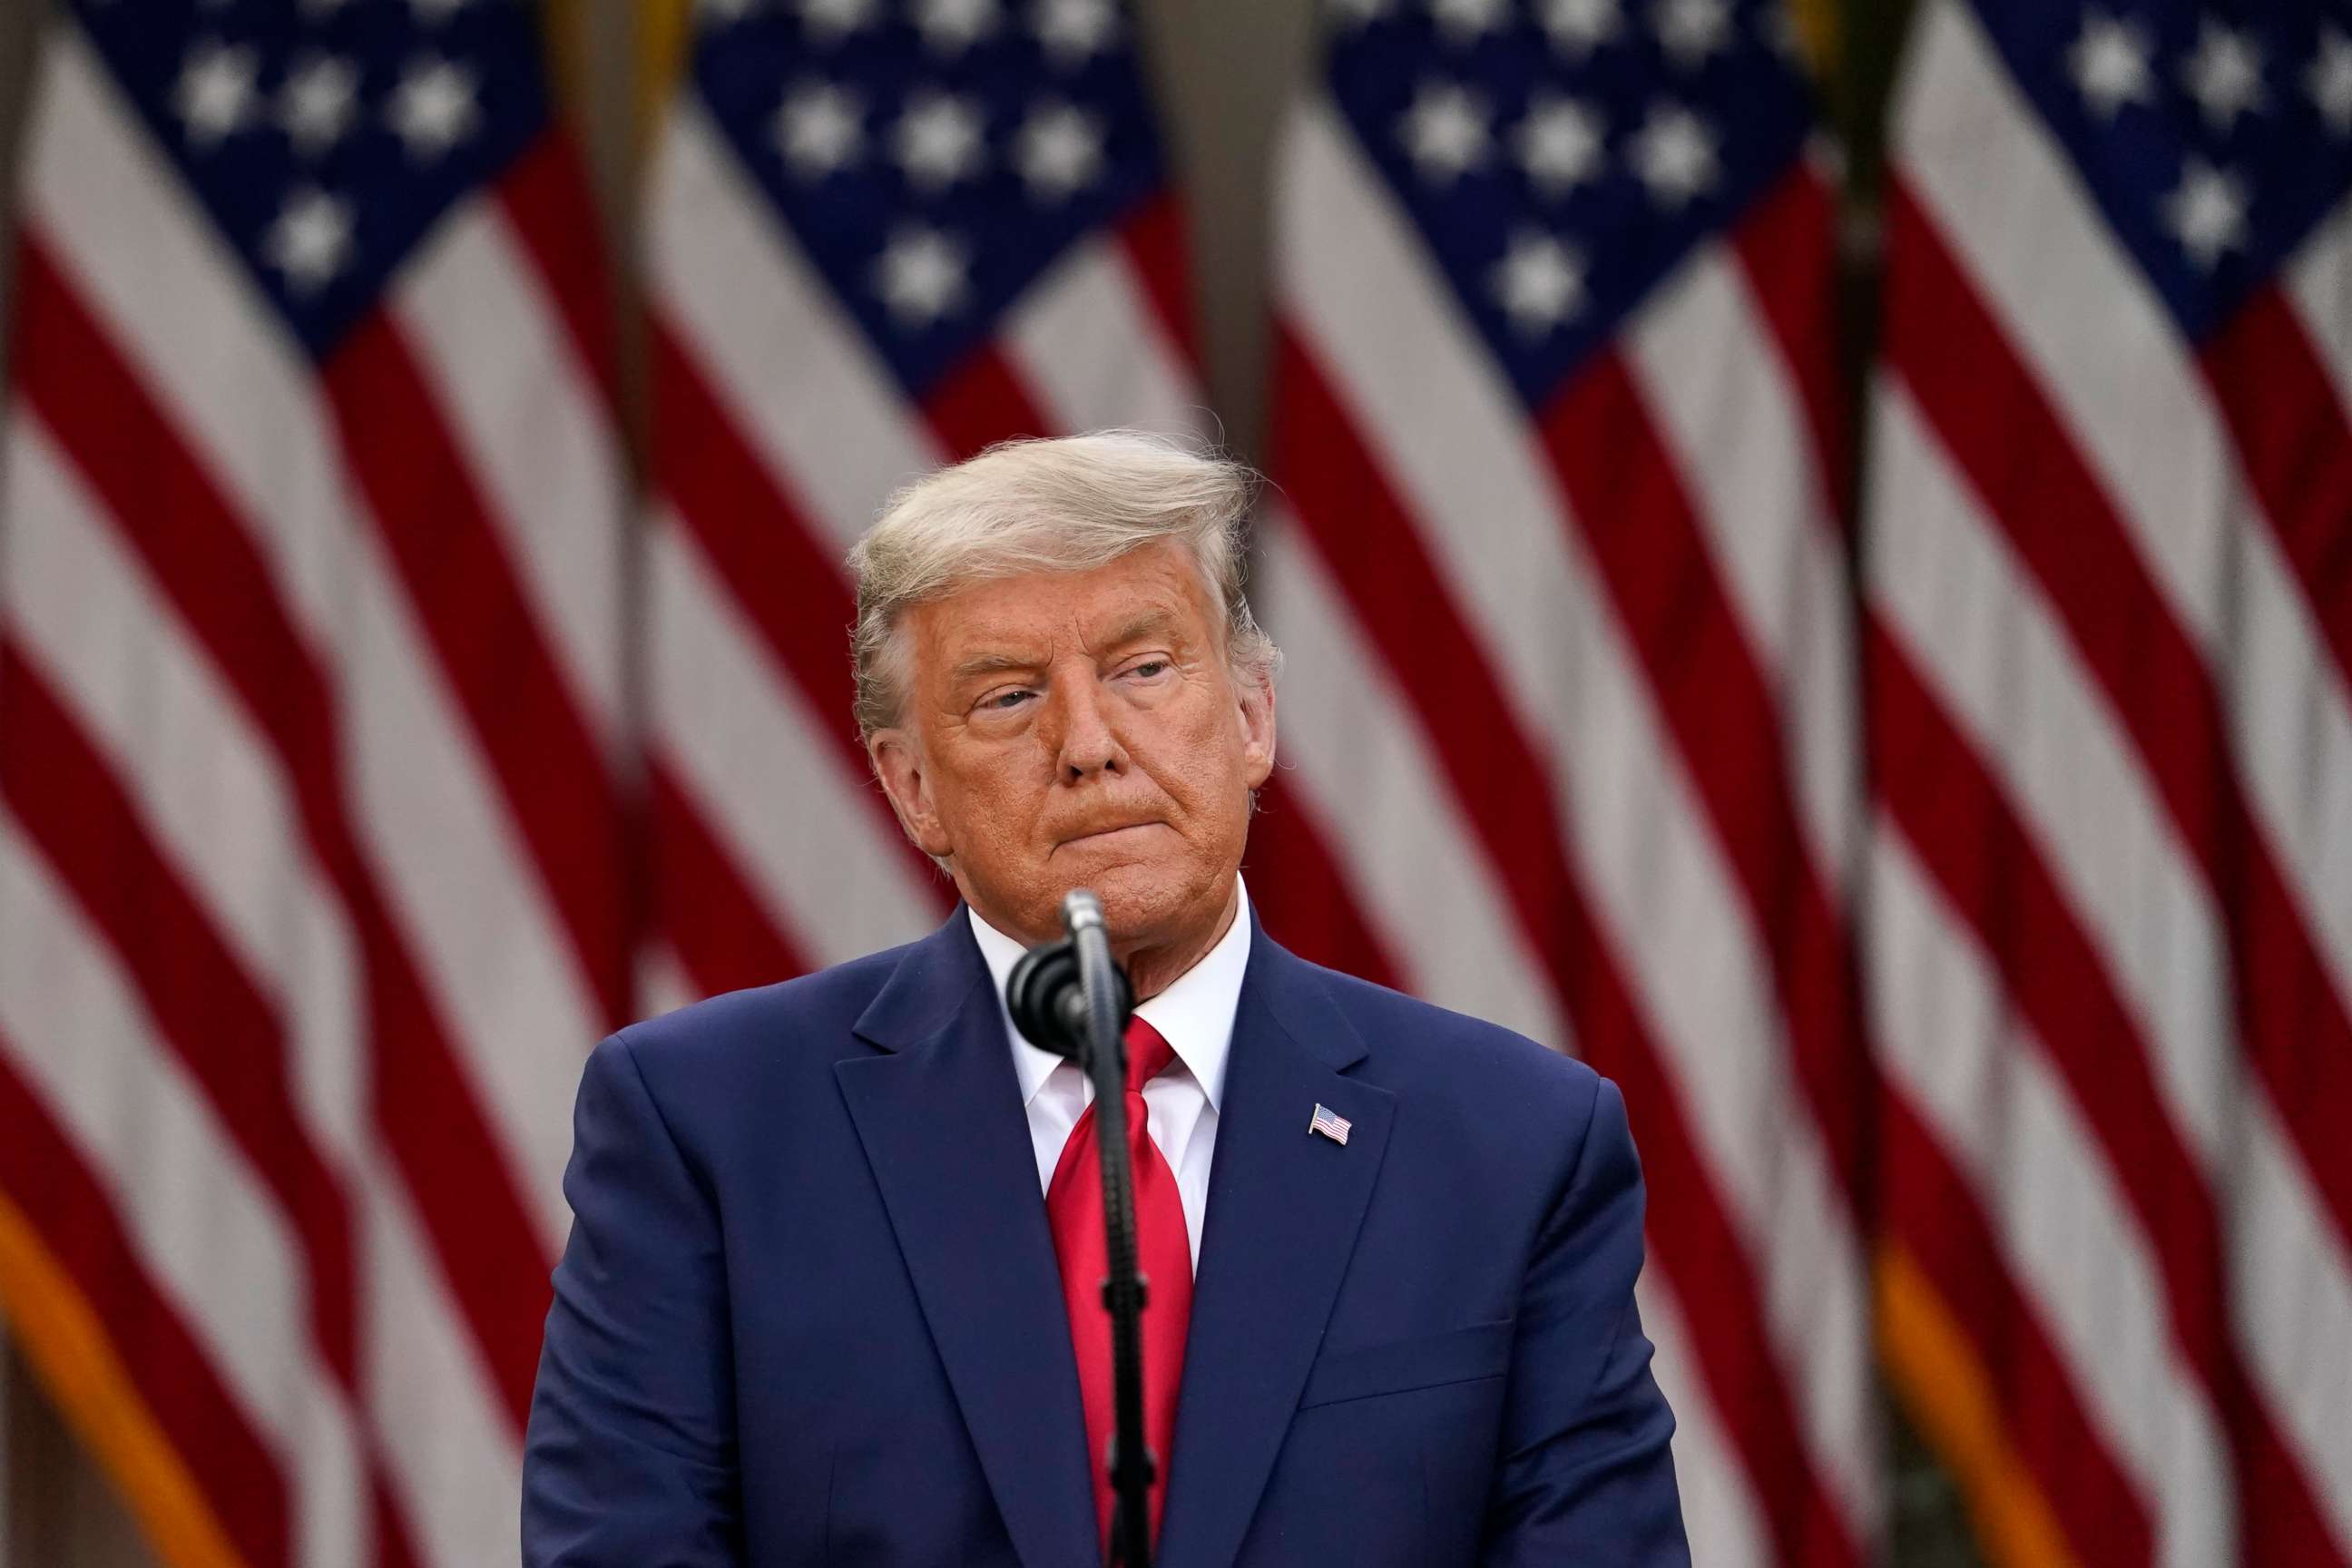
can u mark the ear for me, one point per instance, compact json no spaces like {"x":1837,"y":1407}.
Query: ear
{"x":1254,"y":706}
{"x":899,"y":763}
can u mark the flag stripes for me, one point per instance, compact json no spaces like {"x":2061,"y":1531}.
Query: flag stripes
{"x":218,"y":585}
{"x":150,"y":1135}
{"x":2299,"y":466}
{"x":778,"y":428}
{"x":1956,"y":821}
{"x":2108,"y":987}
{"x":1787,"y":248}
{"x":311,"y":847}
{"x":719,"y":931}
{"x":1389,"y":581}
{"x":2031,"y":1392}
{"x":237,"y":1514}
{"x":1951,"y":875}
{"x":1333,"y":749}
{"x":978,"y":404}
{"x":1659,"y":578}
{"x":2156,"y":681}
{"x":1585,"y":659}
{"x":1110,"y":290}
{"x":461,"y":591}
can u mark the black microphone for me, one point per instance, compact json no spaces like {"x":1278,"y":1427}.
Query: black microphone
{"x":1047,"y":993}
{"x":1071,"y":996}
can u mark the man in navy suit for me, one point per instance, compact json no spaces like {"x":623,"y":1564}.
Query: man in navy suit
{"x":829,"y":1294}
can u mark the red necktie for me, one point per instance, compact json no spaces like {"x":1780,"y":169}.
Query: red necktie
{"x":1073,"y":1207}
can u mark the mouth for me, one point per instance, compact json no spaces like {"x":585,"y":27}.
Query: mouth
{"x":1110,"y":836}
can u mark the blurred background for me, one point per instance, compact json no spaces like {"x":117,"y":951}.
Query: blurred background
{"x":1814,"y":548}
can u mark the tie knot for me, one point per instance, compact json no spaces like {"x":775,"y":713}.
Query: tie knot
{"x":1149,"y":1054}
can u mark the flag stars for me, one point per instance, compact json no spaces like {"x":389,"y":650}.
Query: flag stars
{"x":1446,"y":133}
{"x":1073,"y":32}
{"x":827,"y":22}
{"x":2109,"y":62}
{"x":434,"y":13}
{"x":819,"y":130}
{"x":2330,"y":80}
{"x":1559,"y":144}
{"x":1779,"y":28}
{"x":951,"y":27}
{"x":2224,"y":75}
{"x":1059,"y":151}
{"x":1576,"y":27}
{"x":1692,"y":32}
{"x":316,"y":105}
{"x":433,"y":109}
{"x":922,"y":277}
{"x":1673,"y":154}
{"x":1539,"y":283}
{"x":310,"y":240}
{"x":940,"y":140}
{"x":215,"y":97}
{"x":2207,"y":213}
{"x":1464,"y":22}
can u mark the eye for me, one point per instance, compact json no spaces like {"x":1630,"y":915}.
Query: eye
{"x":1149,"y":668}
{"x":1003,"y":701}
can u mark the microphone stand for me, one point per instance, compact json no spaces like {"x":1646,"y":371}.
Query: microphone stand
{"x":1071,"y":998}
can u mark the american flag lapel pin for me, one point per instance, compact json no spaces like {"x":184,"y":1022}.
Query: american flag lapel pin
{"x":1328,"y":1122}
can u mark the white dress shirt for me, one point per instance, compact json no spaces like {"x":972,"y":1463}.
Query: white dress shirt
{"x":1196,"y":1015}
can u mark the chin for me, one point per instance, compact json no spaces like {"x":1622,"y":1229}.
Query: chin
{"x":1140,"y":900}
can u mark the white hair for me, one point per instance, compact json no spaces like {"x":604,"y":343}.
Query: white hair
{"x":1068,"y":504}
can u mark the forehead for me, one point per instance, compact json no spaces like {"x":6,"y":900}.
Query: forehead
{"x":1035,"y":612}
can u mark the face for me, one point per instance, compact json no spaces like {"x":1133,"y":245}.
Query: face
{"x":1080,"y":730}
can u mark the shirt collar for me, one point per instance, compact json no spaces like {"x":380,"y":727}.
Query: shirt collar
{"x":1195,"y":1013}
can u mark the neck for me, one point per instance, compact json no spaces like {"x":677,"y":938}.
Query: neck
{"x":1152,"y":964}
{"x":1154,"y":967}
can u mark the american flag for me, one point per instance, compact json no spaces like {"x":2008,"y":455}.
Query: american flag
{"x":311,"y":867}
{"x":1328,"y":1123}
{"x":2108,"y":637}
{"x":881,"y":237}
{"x":1568,"y":716}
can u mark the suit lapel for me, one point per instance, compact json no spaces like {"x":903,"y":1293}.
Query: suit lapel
{"x":1284,"y":1210}
{"x":939,"y":1112}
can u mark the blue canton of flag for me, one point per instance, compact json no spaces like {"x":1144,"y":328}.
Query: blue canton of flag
{"x":1561,"y":156}
{"x":933,"y":158}
{"x":325,"y":137}
{"x":2214,"y":139}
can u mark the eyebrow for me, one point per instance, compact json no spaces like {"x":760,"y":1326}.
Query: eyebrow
{"x":1139,"y":627}
{"x":1133,"y":630}
{"x":989,"y":664}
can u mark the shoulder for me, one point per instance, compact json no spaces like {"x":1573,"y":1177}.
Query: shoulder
{"x":1498,"y":1126}
{"x":802,"y":1022}
{"x":1431,"y":1053}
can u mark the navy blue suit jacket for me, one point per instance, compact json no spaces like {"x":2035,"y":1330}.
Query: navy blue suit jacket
{"x":809,"y":1312}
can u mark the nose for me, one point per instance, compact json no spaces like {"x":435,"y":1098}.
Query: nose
{"x":1089,"y":744}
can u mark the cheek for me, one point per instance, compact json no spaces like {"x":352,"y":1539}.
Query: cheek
{"x":1208,"y":762}
{"x":991,"y":789}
